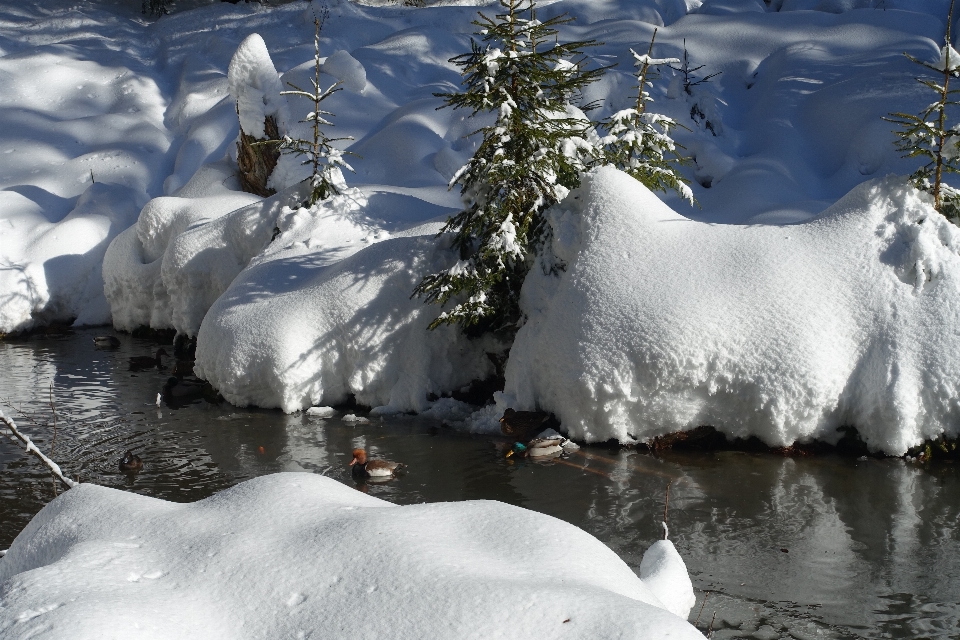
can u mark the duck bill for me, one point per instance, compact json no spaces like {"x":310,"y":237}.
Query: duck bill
{"x":353,"y":462}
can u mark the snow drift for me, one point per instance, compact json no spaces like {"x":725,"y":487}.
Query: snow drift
{"x":325,"y":312}
{"x":297,"y":555}
{"x":784,"y":332}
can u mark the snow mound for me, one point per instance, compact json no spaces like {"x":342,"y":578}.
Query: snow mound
{"x":50,"y":270}
{"x":663,"y":570}
{"x":154,"y":278}
{"x":255,"y":87}
{"x":345,"y":68}
{"x":325,"y":311}
{"x":296,"y":554}
{"x":784,"y":332}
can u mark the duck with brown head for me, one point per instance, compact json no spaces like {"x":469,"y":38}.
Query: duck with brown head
{"x":361,"y":468}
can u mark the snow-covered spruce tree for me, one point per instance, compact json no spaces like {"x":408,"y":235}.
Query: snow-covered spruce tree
{"x":927,"y":135}
{"x":638,"y":141}
{"x":326,"y":160}
{"x":528,"y":160}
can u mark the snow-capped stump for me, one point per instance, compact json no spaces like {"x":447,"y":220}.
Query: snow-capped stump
{"x":785,"y":332}
{"x":298,"y":553}
{"x":255,"y":87}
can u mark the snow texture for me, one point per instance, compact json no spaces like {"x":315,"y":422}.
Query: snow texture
{"x":136,"y":117}
{"x":255,"y":87}
{"x":295,"y":554}
{"x":345,"y":68}
{"x":784,"y":332}
{"x":338,"y":319}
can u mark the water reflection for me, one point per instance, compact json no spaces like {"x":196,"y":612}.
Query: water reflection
{"x":822,"y":547}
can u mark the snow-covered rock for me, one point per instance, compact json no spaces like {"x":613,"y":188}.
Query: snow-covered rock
{"x":296,"y":555}
{"x":325,"y":311}
{"x":141,"y":292}
{"x":784,"y":332}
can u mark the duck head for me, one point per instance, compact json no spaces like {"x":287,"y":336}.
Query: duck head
{"x":359,"y":457}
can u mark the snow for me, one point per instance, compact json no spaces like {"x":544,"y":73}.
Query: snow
{"x":255,"y":87}
{"x":345,"y":68}
{"x":781,"y":332}
{"x":297,"y":555}
{"x":119,"y":204}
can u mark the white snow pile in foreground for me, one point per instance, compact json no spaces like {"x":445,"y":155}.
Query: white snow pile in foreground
{"x":785,"y":332}
{"x":325,"y":311}
{"x":299,"y":555}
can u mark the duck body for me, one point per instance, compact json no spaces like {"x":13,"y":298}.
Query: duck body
{"x":547,"y":444}
{"x":146,"y":362}
{"x":521,"y":424}
{"x":361,"y":468}
{"x":177,"y":388}
{"x":130,"y":463}
{"x":106,"y":342}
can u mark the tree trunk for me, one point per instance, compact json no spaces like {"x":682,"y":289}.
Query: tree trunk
{"x":256,"y":161}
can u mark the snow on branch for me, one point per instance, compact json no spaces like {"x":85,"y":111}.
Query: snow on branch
{"x":32,"y":448}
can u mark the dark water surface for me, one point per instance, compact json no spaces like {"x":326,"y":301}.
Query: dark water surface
{"x":822,"y":547}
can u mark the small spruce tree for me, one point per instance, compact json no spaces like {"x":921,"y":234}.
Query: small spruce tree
{"x":927,"y":135}
{"x":528,"y":160}
{"x":326,"y":160}
{"x":638,"y":141}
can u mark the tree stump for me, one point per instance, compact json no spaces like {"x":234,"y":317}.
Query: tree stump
{"x":257,"y":160}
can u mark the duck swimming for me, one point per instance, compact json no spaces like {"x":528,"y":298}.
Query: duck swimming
{"x":521,"y":424}
{"x":146,"y":362}
{"x":130,"y":463}
{"x":541,"y":447}
{"x":363,"y":468}
{"x":106,"y":342}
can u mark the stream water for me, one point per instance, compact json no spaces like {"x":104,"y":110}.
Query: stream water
{"x":818,"y":547}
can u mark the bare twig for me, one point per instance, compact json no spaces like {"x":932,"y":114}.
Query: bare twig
{"x":710,"y":628}
{"x":32,"y":448}
{"x":699,"y":613}
{"x":666,"y":506}
{"x":53,"y":445}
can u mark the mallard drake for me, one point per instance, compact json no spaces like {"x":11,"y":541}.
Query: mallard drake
{"x":130,"y":463}
{"x":146,"y":362}
{"x":521,"y":424}
{"x":540,"y":447}
{"x":363,"y":468}
{"x":106,"y":342}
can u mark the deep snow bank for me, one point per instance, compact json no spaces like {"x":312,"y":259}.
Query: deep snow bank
{"x":297,"y":555}
{"x":661,"y":323}
{"x":325,"y":311}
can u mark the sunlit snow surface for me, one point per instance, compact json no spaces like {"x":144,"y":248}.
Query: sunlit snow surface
{"x":661,"y":323}
{"x":93,"y":93}
{"x":300,"y":555}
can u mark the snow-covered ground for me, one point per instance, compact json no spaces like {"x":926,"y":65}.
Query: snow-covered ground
{"x":297,"y":555}
{"x":120,"y":129}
